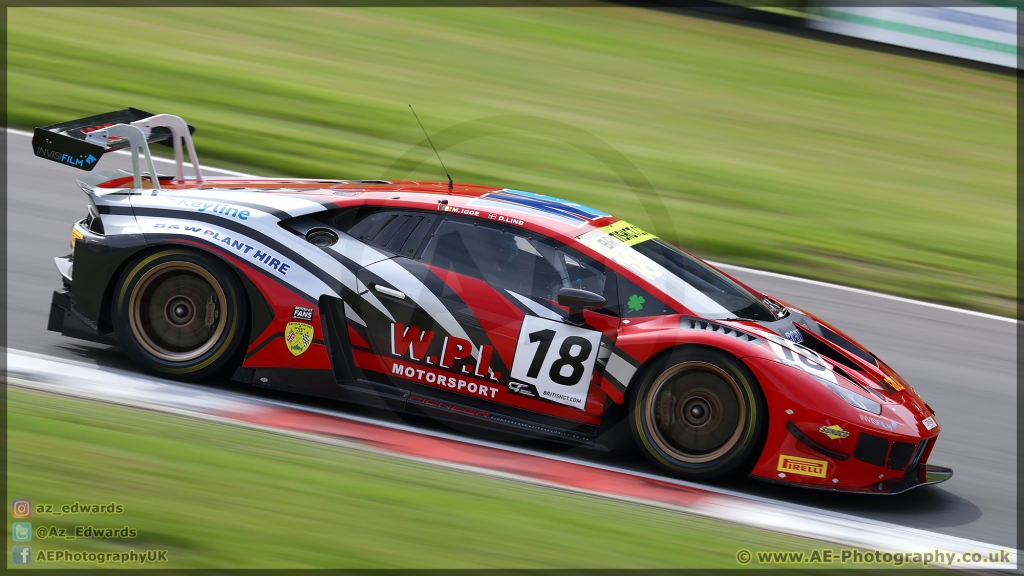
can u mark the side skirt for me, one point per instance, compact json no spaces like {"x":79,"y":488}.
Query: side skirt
{"x":321,"y":383}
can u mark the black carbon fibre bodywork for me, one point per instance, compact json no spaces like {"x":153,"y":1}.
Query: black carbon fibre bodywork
{"x":99,"y":261}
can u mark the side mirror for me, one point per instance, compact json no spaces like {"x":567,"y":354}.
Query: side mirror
{"x":577,"y":301}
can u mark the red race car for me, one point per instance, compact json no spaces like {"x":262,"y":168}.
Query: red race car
{"x":488,"y":306}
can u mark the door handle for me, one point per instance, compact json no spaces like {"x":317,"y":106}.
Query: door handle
{"x":389,"y":291}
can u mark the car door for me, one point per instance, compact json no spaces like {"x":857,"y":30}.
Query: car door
{"x":472,"y":315}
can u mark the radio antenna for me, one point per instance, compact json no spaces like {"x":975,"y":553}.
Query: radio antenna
{"x":432,"y":147}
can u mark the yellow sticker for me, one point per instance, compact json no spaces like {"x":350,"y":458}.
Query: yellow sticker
{"x":613,"y":242}
{"x":298,"y":336}
{"x":834,"y":432}
{"x":805,"y":466}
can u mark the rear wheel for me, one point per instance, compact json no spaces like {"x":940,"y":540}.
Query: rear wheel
{"x":698,"y":413}
{"x":180,"y":313}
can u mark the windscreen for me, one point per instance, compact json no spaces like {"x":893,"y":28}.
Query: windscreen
{"x":695,"y":285}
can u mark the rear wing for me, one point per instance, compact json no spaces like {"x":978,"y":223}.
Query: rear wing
{"x":81,"y":143}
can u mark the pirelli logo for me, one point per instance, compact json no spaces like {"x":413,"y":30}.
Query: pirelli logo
{"x":805,"y":466}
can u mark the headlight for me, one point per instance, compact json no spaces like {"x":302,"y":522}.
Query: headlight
{"x":854,"y":399}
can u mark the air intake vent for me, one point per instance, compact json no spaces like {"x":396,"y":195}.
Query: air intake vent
{"x":698,"y":324}
{"x":812,"y":341}
{"x":871,"y":449}
{"x":322,"y":237}
{"x":921,"y":448}
{"x":900,"y":455}
{"x":846,"y":345}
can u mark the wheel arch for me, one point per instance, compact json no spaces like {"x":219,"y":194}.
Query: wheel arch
{"x":652,"y":364}
{"x":259,"y":312}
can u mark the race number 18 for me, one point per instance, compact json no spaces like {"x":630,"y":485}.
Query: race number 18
{"x":556,"y":358}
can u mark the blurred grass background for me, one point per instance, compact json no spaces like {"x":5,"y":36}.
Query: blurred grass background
{"x":740,"y":144}
{"x":220,"y":496}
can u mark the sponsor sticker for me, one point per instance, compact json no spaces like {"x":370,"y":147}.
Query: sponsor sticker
{"x":834,"y":431}
{"x":238,"y":244}
{"x":225,"y":210}
{"x":523,"y":389}
{"x":302,"y":313}
{"x":879,"y":422}
{"x":804,"y":466}
{"x":614,"y":242}
{"x":298,"y":336}
{"x":929,"y":423}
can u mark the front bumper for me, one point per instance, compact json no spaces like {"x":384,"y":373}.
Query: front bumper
{"x":64,"y":320}
{"x":923,"y":475}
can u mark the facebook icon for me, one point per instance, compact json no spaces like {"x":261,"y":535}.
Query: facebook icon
{"x":22,"y":555}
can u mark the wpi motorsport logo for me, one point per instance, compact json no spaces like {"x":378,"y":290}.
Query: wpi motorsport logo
{"x":449,"y":354}
{"x":805,"y":466}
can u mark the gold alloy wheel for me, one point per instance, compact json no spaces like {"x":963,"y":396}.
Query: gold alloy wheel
{"x":695,"y":412}
{"x":177,"y":311}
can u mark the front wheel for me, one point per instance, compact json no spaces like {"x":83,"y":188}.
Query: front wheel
{"x":698,"y":413}
{"x":180,"y":313}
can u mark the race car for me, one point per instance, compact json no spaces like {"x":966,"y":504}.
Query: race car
{"x":486,"y":306}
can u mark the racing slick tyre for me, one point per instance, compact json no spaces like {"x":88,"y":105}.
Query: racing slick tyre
{"x":180,"y":313}
{"x":698,"y":414}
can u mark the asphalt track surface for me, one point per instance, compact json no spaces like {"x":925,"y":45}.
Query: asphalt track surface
{"x":964,"y":365}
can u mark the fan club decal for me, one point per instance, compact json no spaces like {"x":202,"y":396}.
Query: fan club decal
{"x":302,"y":313}
{"x":298,"y":336}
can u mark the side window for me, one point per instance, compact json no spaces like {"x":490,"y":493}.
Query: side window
{"x":400,"y":232}
{"x":503,"y":259}
{"x":510,"y":260}
{"x":634,"y":301}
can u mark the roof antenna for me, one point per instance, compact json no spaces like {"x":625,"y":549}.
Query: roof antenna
{"x":432,"y":146}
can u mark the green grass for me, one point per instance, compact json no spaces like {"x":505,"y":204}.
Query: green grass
{"x":743,"y":145}
{"x":220,"y":496}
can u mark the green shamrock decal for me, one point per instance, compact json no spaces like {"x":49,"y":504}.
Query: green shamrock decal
{"x":635,"y":303}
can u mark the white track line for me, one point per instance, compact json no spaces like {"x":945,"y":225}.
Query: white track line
{"x":76,"y":379}
{"x":718,"y":264}
{"x":860,"y":291}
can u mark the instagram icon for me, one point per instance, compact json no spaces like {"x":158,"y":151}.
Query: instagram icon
{"x":21,"y":508}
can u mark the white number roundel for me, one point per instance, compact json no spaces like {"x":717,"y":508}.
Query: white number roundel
{"x":557,"y":359}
